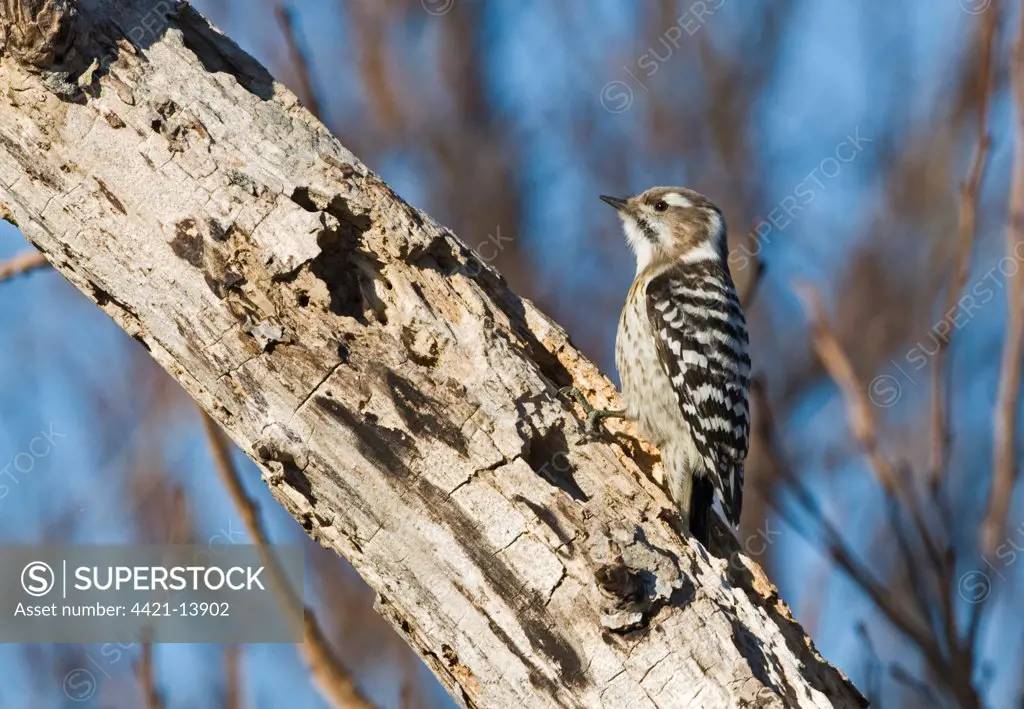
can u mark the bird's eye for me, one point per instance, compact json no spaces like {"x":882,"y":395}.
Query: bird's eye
{"x":660,"y":206}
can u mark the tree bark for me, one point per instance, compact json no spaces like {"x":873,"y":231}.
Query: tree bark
{"x":400,"y":400}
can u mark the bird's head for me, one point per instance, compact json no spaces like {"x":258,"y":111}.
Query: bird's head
{"x":670,"y":224}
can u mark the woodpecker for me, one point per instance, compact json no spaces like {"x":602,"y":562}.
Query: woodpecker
{"x":681,"y":351}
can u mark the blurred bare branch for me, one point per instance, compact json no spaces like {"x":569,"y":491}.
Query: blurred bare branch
{"x":952,"y":664}
{"x":860,"y":412}
{"x":232,"y":677}
{"x":1005,"y":416}
{"x":335,"y":683}
{"x":969,"y":193}
{"x":21,"y":264}
{"x":300,"y":60}
{"x":147,"y":679}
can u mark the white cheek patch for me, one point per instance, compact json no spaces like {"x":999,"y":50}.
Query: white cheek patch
{"x":634,"y":235}
{"x":677,"y":200}
{"x":644,"y":251}
{"x":716,"y":227}
{"x":705,"y":252}
{"x":642,"y":248}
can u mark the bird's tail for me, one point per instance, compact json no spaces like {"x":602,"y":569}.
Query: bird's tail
{"x":701,"y":501}
{"x":694,"y":495}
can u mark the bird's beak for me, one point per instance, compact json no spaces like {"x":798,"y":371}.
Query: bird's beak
{"x":619,"y":204}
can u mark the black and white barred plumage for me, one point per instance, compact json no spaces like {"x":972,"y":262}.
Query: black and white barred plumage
{"x":702,"y":345}
{"x":681,"y":350}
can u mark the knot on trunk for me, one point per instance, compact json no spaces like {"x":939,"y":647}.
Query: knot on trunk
{"x":638,"y":581}
{"x":36,"y":33}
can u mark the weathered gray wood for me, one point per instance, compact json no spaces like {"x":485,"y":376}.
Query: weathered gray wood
{"x":407,"y":417}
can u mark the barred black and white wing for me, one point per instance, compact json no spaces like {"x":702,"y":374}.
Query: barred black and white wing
{"x":701,"y":337}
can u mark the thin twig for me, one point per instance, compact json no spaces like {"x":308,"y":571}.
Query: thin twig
{"x":873,"y":684}
{"x":21,"y":264}
{"x":970,"y":190}
{"x":753,"y":286}
{"x":918,"y":585}
{"x":1005,"y":414}
{"x":178,"y":529}
{"x":233,"y":677}
{"x":914,"y":626}
{"x":974,"y":617}
{"x":903,"y":676}
{"x":298,"y":57}
{"x":390,"y":105}
{"x":911,"y":626}
{"x":147,"y":679}
{"x":335,"y":683}
{"x":179,"y":526}
{"x":862,"y":420}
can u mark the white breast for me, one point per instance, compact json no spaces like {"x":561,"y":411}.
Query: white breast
{"x":646,"y":389}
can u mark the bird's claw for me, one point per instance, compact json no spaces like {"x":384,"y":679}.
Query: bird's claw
{"x":578,"y":397}
{"x":593,"y":426}
{"x":592,"y":429}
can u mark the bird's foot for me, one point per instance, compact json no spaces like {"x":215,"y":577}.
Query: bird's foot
{"x":596,"y":416}
{"x":577,"y":396}
{"x":592,"y":430}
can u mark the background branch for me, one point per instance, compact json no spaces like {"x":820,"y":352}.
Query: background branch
{"x":21,"y":264}
{"x":1005,"y":415}
{"x":335,"y":683}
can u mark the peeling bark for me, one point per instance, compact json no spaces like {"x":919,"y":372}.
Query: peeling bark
{"x":403,"y":411}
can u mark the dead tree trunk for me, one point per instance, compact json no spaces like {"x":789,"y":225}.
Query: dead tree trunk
{"x":402,"y":406}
